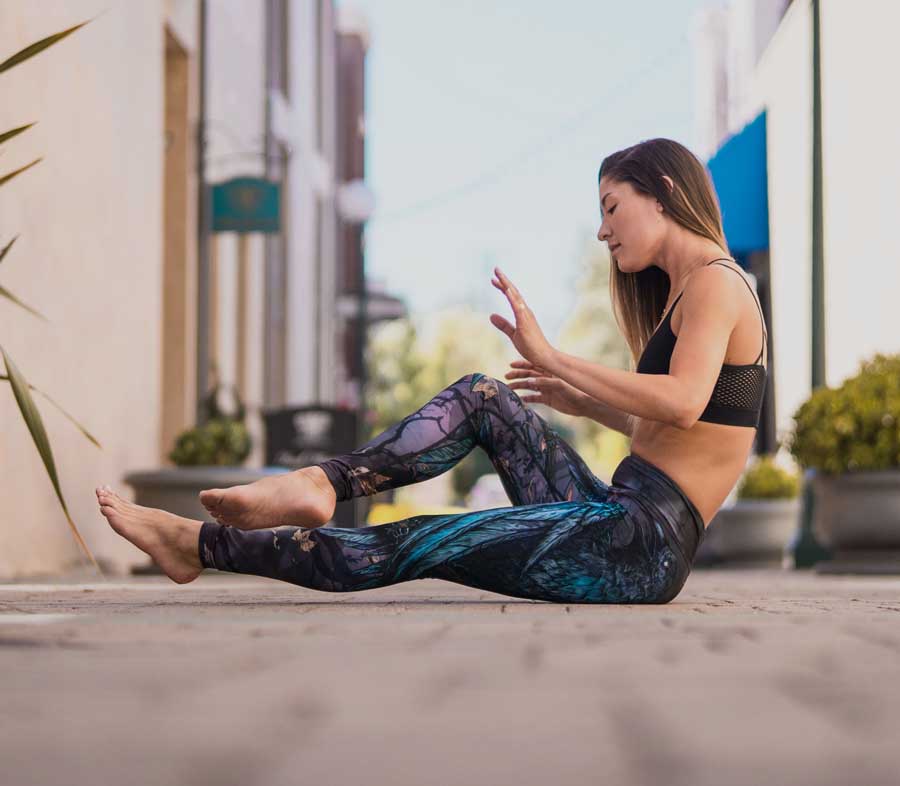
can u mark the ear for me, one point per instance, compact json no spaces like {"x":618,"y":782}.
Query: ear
{"x":669,"y":183}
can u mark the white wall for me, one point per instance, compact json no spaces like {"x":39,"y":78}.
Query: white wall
{"x":861,"y":123}
{"x":311,"y":252}
{"x":235,"y":145}
{"x":90,"y":259}
{"x":782,"y":85}
{"x":861,"y":129}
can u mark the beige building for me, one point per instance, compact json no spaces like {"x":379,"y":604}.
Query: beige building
{"x":756,"y":57}
{"x":109,"y":241}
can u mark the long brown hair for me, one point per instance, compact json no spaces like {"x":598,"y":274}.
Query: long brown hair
{"x":639,"y":298}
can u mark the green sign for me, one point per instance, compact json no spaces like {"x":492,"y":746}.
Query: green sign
{"x":246,"y":204}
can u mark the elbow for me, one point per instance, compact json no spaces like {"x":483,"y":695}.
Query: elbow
{"x":686,"y":416}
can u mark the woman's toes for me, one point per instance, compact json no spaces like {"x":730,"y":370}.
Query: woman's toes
{"x":211,"y":498}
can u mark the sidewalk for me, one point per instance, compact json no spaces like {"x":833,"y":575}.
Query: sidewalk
{"x":748,"y":677}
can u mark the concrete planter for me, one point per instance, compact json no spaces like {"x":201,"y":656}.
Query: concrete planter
{"x":856,"y":515}
{"x":177,"y":489}
{"x":752,"y":532}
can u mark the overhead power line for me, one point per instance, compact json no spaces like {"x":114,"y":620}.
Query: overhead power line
{"x":508,"y":166}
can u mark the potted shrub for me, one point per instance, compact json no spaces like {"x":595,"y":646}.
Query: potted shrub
{"x":848,"y":438}
{"x":757,"y":526}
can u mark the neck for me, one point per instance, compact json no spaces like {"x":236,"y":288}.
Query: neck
{"x":683,"y":254}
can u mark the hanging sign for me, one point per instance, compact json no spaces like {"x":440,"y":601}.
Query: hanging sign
{"x":246,"y":204}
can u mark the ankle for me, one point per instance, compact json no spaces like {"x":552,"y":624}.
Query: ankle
{"x":318,"y":475}
{"x":188,"y":542}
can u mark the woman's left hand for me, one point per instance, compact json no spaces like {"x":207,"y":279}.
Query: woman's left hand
{"x":526,"y":335}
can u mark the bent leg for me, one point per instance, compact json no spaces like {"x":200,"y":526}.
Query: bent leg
{"x":567,"y":552}
{"x":534,"y":463}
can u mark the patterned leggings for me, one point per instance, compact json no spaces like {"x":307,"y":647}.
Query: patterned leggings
{"x":570,"y":538}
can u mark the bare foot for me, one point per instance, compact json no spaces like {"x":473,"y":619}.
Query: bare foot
{"x":303,"y":498}
{"x":172,"y":541}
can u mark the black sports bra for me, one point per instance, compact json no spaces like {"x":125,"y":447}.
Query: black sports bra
{"x":737,"y":397}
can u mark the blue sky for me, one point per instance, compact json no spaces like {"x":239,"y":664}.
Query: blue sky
{"x":486,"y":124}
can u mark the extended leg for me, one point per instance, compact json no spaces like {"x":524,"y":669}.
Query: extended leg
{"x":571,"y":552}
{"x":534,"y":463}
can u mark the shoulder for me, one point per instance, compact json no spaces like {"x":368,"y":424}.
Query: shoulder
{"x":712,"y":295}
{"x":713,"y":285}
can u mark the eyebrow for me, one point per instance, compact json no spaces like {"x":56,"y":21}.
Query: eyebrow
{"x":604,"y":198}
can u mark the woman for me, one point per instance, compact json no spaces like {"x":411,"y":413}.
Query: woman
{"x":691,"y":408}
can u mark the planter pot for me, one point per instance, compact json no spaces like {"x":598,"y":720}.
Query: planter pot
{"x":752,"y":531}
{"x":177,"y":489}
{"x":856,"y":515}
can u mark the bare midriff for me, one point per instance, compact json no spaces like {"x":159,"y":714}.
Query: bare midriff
{"x":707,"y":459}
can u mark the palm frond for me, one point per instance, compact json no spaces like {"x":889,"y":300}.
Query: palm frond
{"x":7,"y":247}
{"x":7,"y":135}
{"x":4,"y":292}
{"x":35,"y":426}
{"x":82,"y":429}
{"x":38,"y":46}
{"x":10,"y":175}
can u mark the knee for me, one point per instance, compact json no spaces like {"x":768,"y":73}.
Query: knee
{"x":479,"y":380}
{"x":471,"y":378}
{"x":483,"y":387}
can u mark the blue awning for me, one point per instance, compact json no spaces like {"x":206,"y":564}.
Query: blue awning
{"x":740,"y":177}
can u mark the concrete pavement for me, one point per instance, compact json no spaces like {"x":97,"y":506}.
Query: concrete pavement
{"x":748,"y":677}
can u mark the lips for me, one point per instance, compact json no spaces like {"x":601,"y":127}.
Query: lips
{"x":613,"y":248}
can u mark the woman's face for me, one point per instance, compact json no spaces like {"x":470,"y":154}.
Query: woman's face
{"x":633,"y":226}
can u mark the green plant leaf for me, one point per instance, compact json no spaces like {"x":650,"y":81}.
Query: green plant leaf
{"x":35,"y":48}
{"x":7,"y":247}
{"x":6,"y":135}
{"x":81,"y":428}
{"x":11,"y":175}
{"x":35,"y":425}
{"x":4,"y":292}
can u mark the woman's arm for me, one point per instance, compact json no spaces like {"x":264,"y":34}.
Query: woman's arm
{"x":709,"y":309}
{"x":609,"y":416}
{"x":652,"y":396}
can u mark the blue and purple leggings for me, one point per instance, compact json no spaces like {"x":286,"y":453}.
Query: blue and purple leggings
{"x":568,"y":538}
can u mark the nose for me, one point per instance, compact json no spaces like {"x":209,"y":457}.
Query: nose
{"x":603,"y":233}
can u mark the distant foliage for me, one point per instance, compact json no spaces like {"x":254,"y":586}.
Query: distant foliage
{"x":855,"y":426}
{"x":765,"y":479}
{"x":218,"y":442}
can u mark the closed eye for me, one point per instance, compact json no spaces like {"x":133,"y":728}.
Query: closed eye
{"x":612,"y":210}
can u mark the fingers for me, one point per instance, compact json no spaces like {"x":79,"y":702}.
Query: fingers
{"x":527,"y":364}
{"x":507,"y":287}
{"x":524,"y":374}
{"x":528,"y":384}
{"x":501,"y":324}
{"x":525,"y":368}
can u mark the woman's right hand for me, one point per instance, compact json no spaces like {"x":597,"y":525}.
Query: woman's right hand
{"x":549,"y":389}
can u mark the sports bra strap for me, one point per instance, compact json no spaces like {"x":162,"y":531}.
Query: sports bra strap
{"x":755,"y":300}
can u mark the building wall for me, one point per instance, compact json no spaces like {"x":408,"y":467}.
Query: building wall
{"x":235,"y":122}
{"x":782,"y":84}
{"x":89,"y":258}
{"x":108,"y":244}
{"x":861,"y":168}
{"x":861,"y":126}
{"x":305,"y":121}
